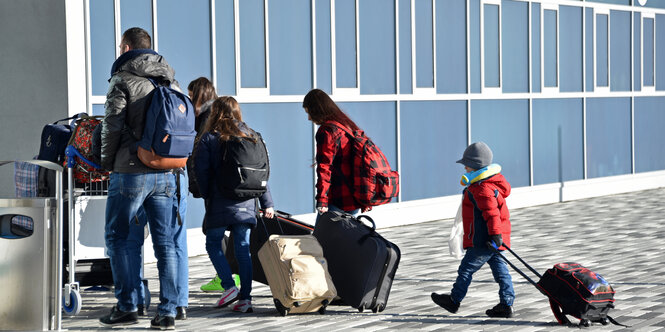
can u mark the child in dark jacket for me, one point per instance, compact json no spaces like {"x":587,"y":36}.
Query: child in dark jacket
{"x":486,"y":223}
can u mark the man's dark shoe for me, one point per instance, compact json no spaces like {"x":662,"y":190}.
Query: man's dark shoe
{"x":500,"y":311}
{"x":118,"y":318}
{"x":445,"y":301}
{"x":162,"y":323}
{"x":140,"y":310}
{"x":181,"y":313}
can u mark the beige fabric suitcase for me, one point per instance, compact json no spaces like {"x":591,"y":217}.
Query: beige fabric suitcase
{"x":297,"y":273}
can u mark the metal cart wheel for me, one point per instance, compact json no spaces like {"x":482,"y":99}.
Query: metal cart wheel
{"x":74,"y":306}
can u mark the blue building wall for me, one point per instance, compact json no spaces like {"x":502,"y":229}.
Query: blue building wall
{"x":560,"y":92}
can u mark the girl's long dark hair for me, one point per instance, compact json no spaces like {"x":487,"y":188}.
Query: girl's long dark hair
{"x":322,"y":108}
{"x":224,"y":116}
{"x":202,"y":91}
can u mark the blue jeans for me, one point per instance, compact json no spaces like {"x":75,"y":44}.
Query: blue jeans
{"x":156,"y":192}
{"x":241,"y":234}
{"x":473,"y":260}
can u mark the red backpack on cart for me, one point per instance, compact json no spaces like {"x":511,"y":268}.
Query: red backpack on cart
{"x":79,"y":154}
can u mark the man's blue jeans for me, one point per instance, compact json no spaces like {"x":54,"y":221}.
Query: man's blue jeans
{"x":473,"y":260}
{"x":156,"y":192}
{"x":240,"y":234}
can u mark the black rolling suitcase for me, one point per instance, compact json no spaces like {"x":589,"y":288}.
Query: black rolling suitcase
{"x":573,"y":290}
{"x":361,"y":262}
{"x":281,"y":224}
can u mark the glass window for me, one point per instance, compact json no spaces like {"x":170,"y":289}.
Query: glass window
{"x":557,"y":140}
{"x":451,"y":46}
{"x":588,"y":47}
{"x":424,"y":44}
{"x":550,"y":49}
{"x":136,"y":13}
{"x":601,"y":50}
{"x":406,"y":82}
{"x":535,"y":48}
{"x":649,"y":119}
{"x":176,"y":42}
{"x":378,"y":121}
{"x":615,"y":2}
{"x":570,"y":52}
{"x":648,"y":52}
{"x":252,"y":44}
{"x":608,"y":137}
{"x":491,"y":39}
{"x":651,"y":3}
{"x":377,"y":47}
{"x":504,"y":126}
{"x":98,"y":109}
{"x":291,"y":173}
{"x":474,"y":45}
{"x":290,"y":46}
{"x":620,"y":50}
{"x":660,"y":52}
{"x":323,"y":46}
{"x":515,"y":46}
{"x":637,"y":51}
{"x":102,"y":45}
{"x":345,"y":43}
{"x":444,"y":131}
{"x":225,"y":47}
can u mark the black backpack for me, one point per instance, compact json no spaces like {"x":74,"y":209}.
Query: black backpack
{"x":245,"y":167}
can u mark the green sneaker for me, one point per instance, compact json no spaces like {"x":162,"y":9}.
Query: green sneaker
{"x":215,"y":285}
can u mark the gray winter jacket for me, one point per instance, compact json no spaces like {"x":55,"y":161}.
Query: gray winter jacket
{"x":126,"y":103}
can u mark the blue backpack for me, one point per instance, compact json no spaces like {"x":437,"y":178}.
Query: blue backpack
{"x":168,"y":135}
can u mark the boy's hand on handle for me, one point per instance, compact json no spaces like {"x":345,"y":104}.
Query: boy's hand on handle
{"x":269,"y":213}
{"x":495,"y":241}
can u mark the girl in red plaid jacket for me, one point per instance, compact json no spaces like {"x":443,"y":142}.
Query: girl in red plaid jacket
{"x":333,"y":154}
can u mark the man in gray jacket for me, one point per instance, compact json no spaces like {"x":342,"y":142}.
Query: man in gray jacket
{"x":134,"y":185}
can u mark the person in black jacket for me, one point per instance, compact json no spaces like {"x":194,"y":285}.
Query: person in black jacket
{"x":133,"y":185}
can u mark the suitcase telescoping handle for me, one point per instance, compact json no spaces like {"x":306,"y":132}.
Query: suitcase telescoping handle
{"x":492,"y":246}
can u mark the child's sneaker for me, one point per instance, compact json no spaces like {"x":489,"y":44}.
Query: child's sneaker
{"x":445,"y":301}
{"x":243,"y":306}
{"x":229,"y":296}
{"x":500,"y":311}
{"x":215,"y":285}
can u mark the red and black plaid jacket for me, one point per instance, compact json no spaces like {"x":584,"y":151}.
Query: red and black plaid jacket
{"x":334,"y":162}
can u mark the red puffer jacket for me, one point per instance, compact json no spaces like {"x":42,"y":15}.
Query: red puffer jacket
{"x":485,"y":213}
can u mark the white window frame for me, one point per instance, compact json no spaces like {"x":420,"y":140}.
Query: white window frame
{"x":250,"y":93}
{"x":484,"y":89}
{"x":418,"y":91}
{"x":652,"y":16}
{"x":553,"y":7}
{"x":343,"y":92}
{"x":599,"y":88}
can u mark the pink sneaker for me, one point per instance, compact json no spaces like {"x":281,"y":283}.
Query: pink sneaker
{"x":229,"y":296}
{"x":243,"y":306}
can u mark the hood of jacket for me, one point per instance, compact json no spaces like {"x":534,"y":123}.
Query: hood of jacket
{"x":144,"y":63}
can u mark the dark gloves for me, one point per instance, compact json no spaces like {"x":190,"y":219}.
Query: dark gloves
{"x":495,"y":241}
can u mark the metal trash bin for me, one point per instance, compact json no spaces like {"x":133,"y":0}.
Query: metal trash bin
{"x":30,"y":262}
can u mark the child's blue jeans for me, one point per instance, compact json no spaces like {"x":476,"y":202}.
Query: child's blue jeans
{"x":473,"y":260}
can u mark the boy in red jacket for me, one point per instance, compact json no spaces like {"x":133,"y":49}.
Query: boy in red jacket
{"x":486,"y":222}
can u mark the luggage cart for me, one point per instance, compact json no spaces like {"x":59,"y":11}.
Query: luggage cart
{"x":86,"y":211}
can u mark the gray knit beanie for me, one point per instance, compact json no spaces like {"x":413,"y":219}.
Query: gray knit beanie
{"x":476,"y":156}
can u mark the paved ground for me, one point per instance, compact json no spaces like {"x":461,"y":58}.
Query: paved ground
{"x":622,"y":237}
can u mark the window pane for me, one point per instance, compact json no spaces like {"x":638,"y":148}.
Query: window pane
{"x":608,"y":137}
{"x":550,"y":48}
{"x":406,"y":83}
{"x":424,"y":44}
{"x":660,"y":52}
{"x":504,"y":126}
{"x":446,"y":122}
{"x":616,"y":2}
{"x":98,"y":109}
{"x":637,"y":52}
{"x":225,"y":47}
{"x":291,"y":175}
{"x":649,"y":119}
{"x":515,"y":30}
{"x":535,"y":48}
{"x":588,"y":35}
{"x":345,"y":43}
{"x":491,"y":45}
{"x":323,"y":46}
{"x":620,"y":48}
{"x":648,"y":51}
{"x":570,"y":54}
{"x":378,"y":121}
{"x":290,"y":47}
{"x":252,"y":44}
{"x":601,"y":50}
{"x":136,"y":13}
{"x":451,"y":46}
{"x":557,"y":140}
{"x":474,"y":45}
{"x":176,"y":41}
{"x":377,"y":40}
{"x":102,"y":45}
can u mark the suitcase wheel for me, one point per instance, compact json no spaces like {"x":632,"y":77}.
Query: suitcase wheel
{"x":296,"y":304}
{"x":604,"y":321}
{"x":585,"y":322}
{"x":283,"y":311}
{"x":378,"y":308}
{"x":324,"y":305}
